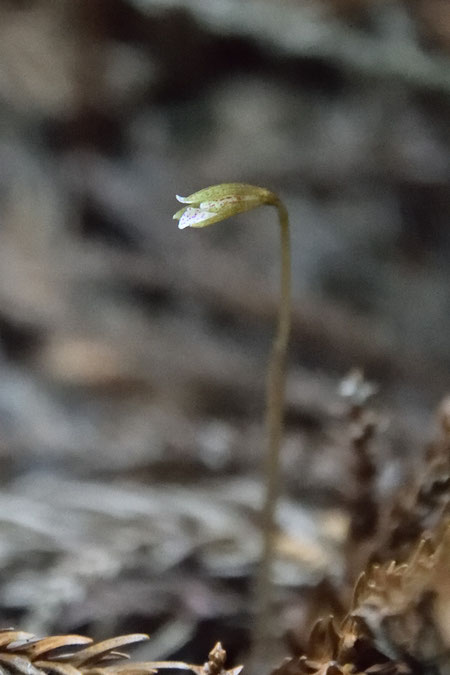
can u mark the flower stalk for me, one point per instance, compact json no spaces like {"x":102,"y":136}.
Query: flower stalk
{"x":275,"y":393}
{"x":204,"y":208}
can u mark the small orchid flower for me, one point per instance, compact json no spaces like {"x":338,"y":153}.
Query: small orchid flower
{"x":203,"y":208}
{"x":218,"y":202}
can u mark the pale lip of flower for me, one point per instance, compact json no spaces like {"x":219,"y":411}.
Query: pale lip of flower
{"x":195,"y":217}
{"x":219,"y":202}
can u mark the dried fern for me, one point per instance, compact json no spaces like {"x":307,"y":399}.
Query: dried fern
{"x":24,"y":654}
{"x":398,"y":621}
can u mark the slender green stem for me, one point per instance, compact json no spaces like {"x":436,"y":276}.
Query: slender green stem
{"x":276,"y":377}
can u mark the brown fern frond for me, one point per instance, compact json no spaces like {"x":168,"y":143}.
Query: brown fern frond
{"x":63,"y":654}
{"x":23,"y":654}
{"x":405,"y":606}
{"x":399,"y":620}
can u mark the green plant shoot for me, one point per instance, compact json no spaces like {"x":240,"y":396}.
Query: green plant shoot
{"x":206,"y":207}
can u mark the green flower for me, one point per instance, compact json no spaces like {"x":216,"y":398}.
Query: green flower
{"x":218,"y":202}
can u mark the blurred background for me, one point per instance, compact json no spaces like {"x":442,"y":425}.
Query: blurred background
{"x":133,"y":355}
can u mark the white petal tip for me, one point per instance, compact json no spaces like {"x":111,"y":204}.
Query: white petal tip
{"x":183,"y":226}
{"x":183,"y":200}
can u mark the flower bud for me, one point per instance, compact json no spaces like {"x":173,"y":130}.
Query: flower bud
{"x":219,"y":202}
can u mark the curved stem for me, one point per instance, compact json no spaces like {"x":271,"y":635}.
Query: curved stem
{"x":276,"y":377}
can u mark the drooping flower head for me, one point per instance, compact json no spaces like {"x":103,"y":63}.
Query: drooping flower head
{"x":218,"y":202}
